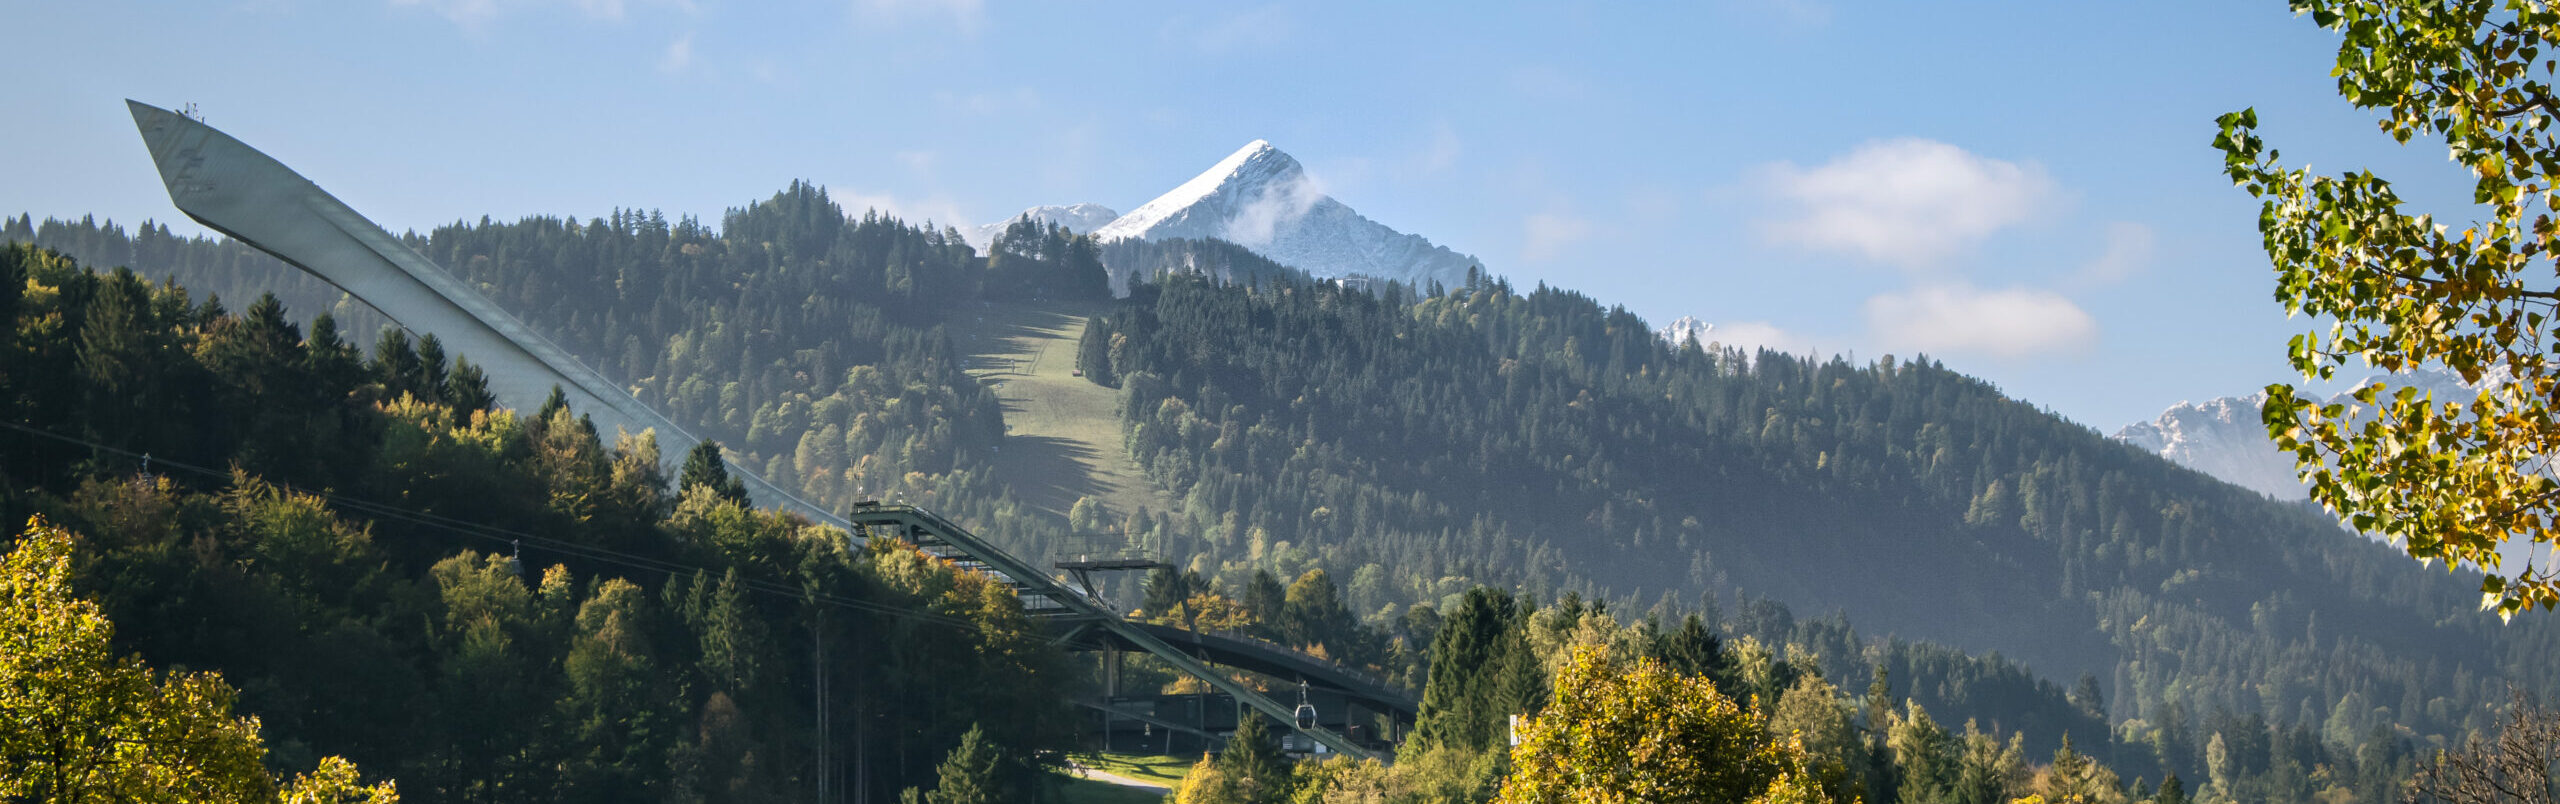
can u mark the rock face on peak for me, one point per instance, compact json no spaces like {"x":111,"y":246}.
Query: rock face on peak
{"x":1260,"y":198}
{"x":1679,"y":331}
{"x":1078,"y":218}
{"x":2223,"y":438}
{"x":2226,"y":438}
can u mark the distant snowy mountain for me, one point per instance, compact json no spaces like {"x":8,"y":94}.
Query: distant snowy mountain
{"x":1679,"y":331}
{"x":2226,"y":439}
{"x":1078,"y":218}
{"x":1261,"y":199}
{"x":2223,"y":438}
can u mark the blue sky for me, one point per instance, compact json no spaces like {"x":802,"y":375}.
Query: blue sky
{"x":2023,"y":190}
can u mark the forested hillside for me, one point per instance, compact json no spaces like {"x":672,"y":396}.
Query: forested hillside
{"x":486,"y":605}
{"x":1487,"y":435}
{"x":807,"y":341}
{"x":1415,"y":445}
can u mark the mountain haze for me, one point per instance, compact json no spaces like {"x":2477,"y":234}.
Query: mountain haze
{"x":1544,"y":440}
{"x":1077,"y":218}
{"x":1415,"y":445}
{"x":2225,"y":438}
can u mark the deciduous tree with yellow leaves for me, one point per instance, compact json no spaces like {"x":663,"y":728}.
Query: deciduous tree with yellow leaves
{"x":2449,"y":479}
{"x":1635,"y":731}
{"x":78,"y":723}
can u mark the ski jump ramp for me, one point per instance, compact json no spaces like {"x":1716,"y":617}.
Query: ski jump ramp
{"x":231,"y":188}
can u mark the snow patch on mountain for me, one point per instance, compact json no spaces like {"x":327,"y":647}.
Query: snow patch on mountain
{"x":1078,"y":218}
{"x":1260,"y":198}
{"x":1681,"y":330}
{"x":1747,"y":337}
{"x":2227,"y":439}
{"x":2223,"y":438}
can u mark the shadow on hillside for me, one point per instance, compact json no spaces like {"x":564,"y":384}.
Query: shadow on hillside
{"x":988,"y":330}
{"x":1049,"y":472}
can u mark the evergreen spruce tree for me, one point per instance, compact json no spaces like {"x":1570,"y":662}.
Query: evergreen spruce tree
{"x":2172,"y":791}
{"x":466,"y":388}
{"x":432,"y":370}
{"x":395,"y":364}
{"x":974,"y":773}
{"x":551,"y":405}
{"x":703,"y":467}
{"x":1264,"y":597}
{"x":1692,"y":650}
{"x":1166,"y":588}
{"x":1093,"y":352}
{"x":1255,"y":762}
{"x":1459,"y":708}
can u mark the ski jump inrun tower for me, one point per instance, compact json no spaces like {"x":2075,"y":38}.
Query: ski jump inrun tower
{"x":236,"y":190}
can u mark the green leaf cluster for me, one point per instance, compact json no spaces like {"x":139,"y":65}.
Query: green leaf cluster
{"x":2449,"y":479}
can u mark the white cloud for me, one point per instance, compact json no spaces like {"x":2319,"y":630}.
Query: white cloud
{"x":920,"y":161}
{"x":679,"y":55}
{"x":966,"y":15}
{"x":1444,"y":149}
{"x":1253,"y":28}
{"x":1279,"y":204}
{"x":2015,"y":322}
{"x":466,"y":13}
{"x":1909,"y":202}
{"x":476,"y":13}
{"x":1018,"y":99}
{"x":1548,"y":234}
{"x":600,"y":9}
{"x":1803,"y":13}
{"x":939,"y":211}
{"x":1753,"y":336}
{"x":2128,"y":251}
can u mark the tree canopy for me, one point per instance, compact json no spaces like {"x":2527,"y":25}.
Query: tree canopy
{"x":2448,"y":479}
{"x":1636,"y":731}
{"x":79,"y":723}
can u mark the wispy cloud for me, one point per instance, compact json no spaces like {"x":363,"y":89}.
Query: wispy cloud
{"x":964,"y":15}
{"x":474,"y":14}
{"x":1546,"y":235}
{"x":989,"y":102}
{"x":1802,"y":13}
{"x":1752,"y":336}
{"x":1247,"y":29}
{"x":679,"y":55}
{"x":1907,"y":202}
{"x":2012,"y":322}
{"x":1280,"y":204}
{"x":1443,"y":150}
{"x":2128,"y":251}
{"x":938,"y":210}
{"x":466,"y":13}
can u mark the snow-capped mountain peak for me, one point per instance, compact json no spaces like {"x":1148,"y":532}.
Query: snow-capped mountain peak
{"x":2227,"y":438}
{"x":2222,"y":437}
{"x":1261,"y":198}
{"x":1241,"y":180}
{"x":1680,"y":331}
{"x":1078,"y":218}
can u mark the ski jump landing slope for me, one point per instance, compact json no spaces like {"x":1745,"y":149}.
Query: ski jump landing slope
{"x":233,"y":189}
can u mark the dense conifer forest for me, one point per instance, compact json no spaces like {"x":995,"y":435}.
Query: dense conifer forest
{"x":1544,"y":440}
{"x":486,"y":605}
{"x":1347,"y":467}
